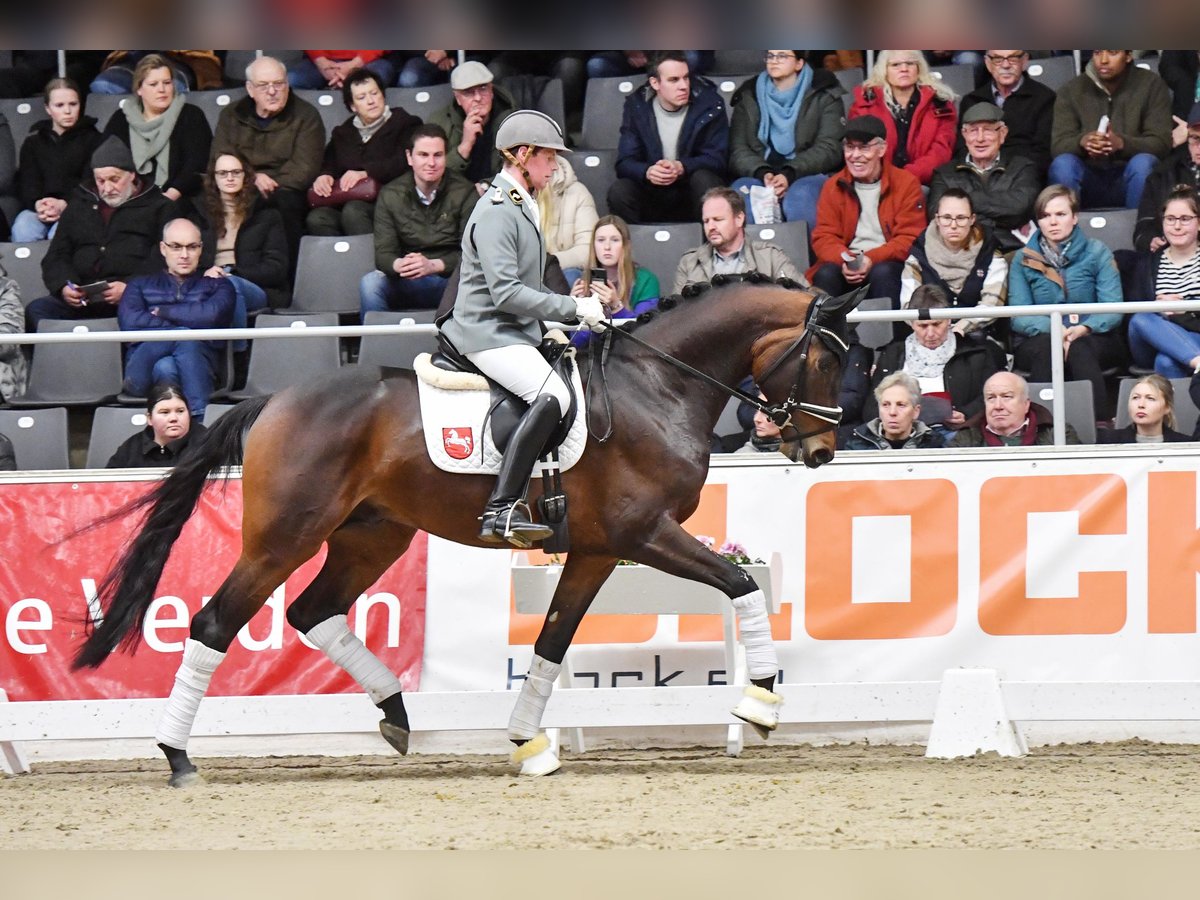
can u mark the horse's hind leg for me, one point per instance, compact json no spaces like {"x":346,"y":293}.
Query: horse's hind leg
{"x":676,"y":552}
{"x":213,"y":629}
{"x":359,"y":552}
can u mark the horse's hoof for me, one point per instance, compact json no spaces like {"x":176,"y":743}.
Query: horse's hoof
{"x":759,"y":708}
{"x":394,"y":735}
{"x":536,"y":757}
{"x":188,"y":779}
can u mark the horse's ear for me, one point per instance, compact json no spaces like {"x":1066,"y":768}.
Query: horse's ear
{"x":838,"y":307}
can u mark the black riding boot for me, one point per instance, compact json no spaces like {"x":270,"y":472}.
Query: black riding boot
{"x":506,"y":517}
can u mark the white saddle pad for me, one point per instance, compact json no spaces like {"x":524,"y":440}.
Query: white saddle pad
{"x":453,"y":408}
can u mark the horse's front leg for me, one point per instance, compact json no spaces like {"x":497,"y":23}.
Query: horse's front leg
{"x":676,"y":552}
{"x":578,"y":585}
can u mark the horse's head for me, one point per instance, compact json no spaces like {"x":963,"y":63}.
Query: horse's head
{"x":801,"y":376}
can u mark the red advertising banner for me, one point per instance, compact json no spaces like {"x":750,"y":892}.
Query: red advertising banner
{"x":46,"y":584}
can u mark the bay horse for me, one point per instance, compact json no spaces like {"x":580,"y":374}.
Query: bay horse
{"x":342,"y":460}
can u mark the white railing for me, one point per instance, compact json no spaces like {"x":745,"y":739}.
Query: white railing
{"x":1054,"y":312}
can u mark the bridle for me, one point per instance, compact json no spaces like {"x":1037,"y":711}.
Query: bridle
{"x":779,"y":413}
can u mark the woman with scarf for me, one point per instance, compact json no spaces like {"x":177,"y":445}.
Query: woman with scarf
{"x":365,"y":152}
{"x":168,"y":137}
{"x":1060,"y":264}
{"x":950,"y":370}
{"x":786,"y":133}
{"x":958,"y":256}
{"x":916,"y":109}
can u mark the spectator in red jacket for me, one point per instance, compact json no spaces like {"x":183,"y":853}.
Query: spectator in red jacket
{"x":868,"y":216}
{"x":916,"y":109}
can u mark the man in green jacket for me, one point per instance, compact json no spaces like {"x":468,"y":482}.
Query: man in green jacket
{"x":282,"y":137}
{"x":419,"y":221}
{"x":1112,"y":125}
{"x":470,"y":123}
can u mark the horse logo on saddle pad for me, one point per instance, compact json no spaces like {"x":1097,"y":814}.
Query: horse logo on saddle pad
{"x":467,"y":422}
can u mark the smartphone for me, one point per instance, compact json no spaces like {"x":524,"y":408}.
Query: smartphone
{"x":600,"y":275}
{"x":1103,"y":126}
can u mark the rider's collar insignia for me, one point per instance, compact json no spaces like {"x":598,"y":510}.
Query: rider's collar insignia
{"x":515,"y":196}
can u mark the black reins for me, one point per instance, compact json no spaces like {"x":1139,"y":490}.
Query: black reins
{"x":779,"y":413}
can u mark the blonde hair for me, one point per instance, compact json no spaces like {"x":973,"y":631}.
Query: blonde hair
{"x":878,"y":77}
{"x":1166,"y":390}
{"x":624,"y":285}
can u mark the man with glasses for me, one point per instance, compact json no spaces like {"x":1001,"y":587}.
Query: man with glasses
{"x":674,"y":145}
{"x":108,"y":232}
{"x":280,"y":135}
{"x":1028,"y":107}
{"x":1112,"y":125}
{"x":178,"y":298}
{"x":470,"y":123}
{"x":868,"y":216}
{"x":1002,"y":188}
{"x":1182,"y":166}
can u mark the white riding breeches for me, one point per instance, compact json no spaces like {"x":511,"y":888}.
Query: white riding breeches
{"x":523,"y":370}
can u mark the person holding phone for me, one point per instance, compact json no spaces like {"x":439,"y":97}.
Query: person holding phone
{"x":625,"y":288}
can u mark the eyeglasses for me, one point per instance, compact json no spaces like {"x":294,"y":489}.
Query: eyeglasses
{"x":855,"y":147}
{"x":1178,"y":220}
{"x":953,"y":220}
{"x":1011,"y":60}
{"x":271,"y":87}
{"x":778,"y":57}
{"x":903,"y":63}
{"x":179,"y":248}
{"x":977,"y":129}
{"x":478,"y":91}
{"x":228,"y":173}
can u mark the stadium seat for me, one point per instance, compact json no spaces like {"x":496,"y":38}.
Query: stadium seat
{"x":1186,"y":413}
{"x":1149,"y":63}
{"x":278,"y":363}
{"x":422,"y":102}
{"x":1112,"y":227}
{"x":111,"y":426}
{"x":596,"y":170}
{"x":1077,"y":402}
{"x":959,"y":78}
{"x":328,"y":271}
{"x":728,"y":85}
{"x":102,"y":107}
{"x":850,"y":78}
{"x":39,"y":437}
{"x":396,"y":350}
{"x":213,"y":103}
{"x":659,"y":247}
{"x":1052,"y":71}
{"x":603,"y":105}
{"x":71,"y":374}
{"x":21,"y":114}
{"x":790,"y":237}
{"x":329,"y":104}
{"x":875,"y":335}
{"x":214,"y":411}
{"x":24,"y":263}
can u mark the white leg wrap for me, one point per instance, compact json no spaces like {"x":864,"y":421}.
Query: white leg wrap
{"x":335,"y":639}
{"x":531,"y":702}
{"x":755,"y":628}
{"x":191,"y":683}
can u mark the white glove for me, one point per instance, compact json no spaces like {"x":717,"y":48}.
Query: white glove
{"x":590,"y":311}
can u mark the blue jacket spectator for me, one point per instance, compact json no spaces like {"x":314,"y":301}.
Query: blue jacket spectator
{"x":662,"y":180}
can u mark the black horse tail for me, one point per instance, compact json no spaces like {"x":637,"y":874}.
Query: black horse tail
{"x":128,"y":589}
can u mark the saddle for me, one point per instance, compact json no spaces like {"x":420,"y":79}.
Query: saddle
{"x":505,"y":408}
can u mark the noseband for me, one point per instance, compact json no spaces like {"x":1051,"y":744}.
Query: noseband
{"x":781,"y":413}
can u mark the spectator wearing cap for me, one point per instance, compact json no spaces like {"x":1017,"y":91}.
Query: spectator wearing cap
{"x":1112,"y":125}
{"x":109,"y":232}
{"x":1028,"y":107}
{"x":674,"y":145}
{"x":1182,"y":166}
{"x":1002,"y":187}
{"x":470,"y":123}
{"x":281,"y":136}
{"x":868,"y":216}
